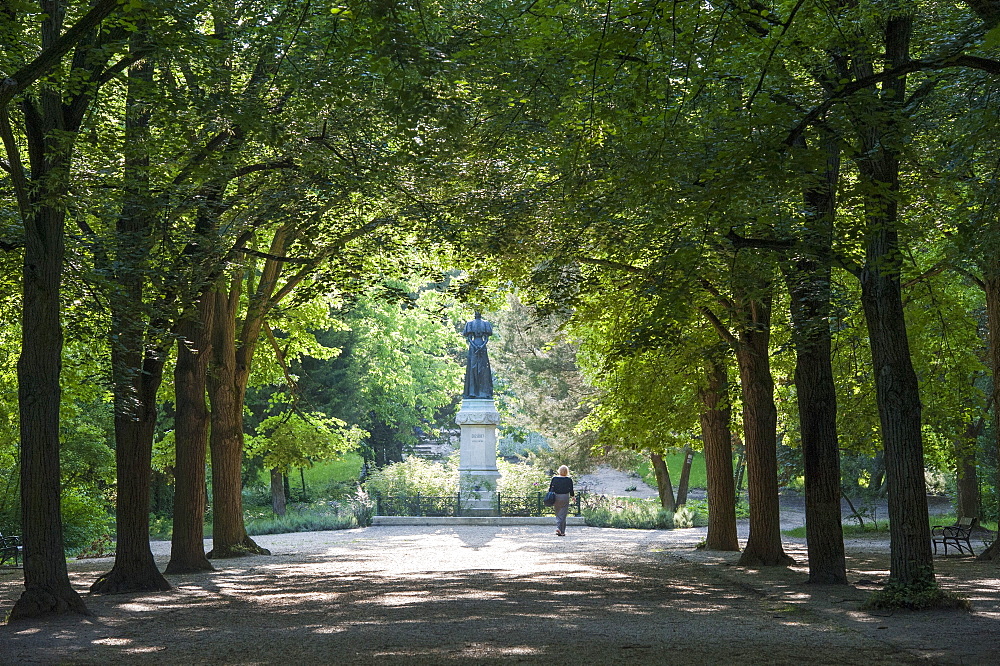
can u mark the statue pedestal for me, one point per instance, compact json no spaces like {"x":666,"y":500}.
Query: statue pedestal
{"x":477,"y":462}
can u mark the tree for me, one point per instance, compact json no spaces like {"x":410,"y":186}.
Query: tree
{"x":138,"y":355}
{"x":52,"y":115}
{"x":399,"y":371}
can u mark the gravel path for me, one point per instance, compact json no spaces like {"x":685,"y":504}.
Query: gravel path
{"x":439,"y":595}
{"x":487,"y":594}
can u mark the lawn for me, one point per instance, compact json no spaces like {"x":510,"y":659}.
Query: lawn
{"x":674,"y":463}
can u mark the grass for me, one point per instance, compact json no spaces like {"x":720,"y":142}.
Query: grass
{"x":882,"y":526}
{"x":675,"y":461}
{"x":321,"y":475}
{"x":306,"y":518}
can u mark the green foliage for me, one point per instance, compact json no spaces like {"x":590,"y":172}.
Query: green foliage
{"x":641,"y":517}
{"x":414,"y":476}
{"x":398,"y":370}
{"x":634,"y":513}
{"x":84,"y":519}
{"x":103,"y":546}
{"x":361,"y":506}
{"x":685,"y":516}
{"x":294,"y":439}
{"x":700,"y":507}
{"x":520,"y":480}
{"x":309,"y":518}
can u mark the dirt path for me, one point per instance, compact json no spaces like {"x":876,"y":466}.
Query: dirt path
{"x":487,"y":594}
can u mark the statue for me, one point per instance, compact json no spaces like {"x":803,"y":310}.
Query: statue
{"x":478,"y":377}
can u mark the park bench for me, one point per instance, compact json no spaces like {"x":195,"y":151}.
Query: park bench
{"x":957,"y":536}
{"x":10,"y":551}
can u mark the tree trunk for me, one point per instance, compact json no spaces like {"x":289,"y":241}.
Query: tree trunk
{"x":967,"y":501}
{"x":663,"y":486}
{"x":716,"y":436}
{"x":896,"y":387}
{"x":134,"y":569}
{"x":808,"y":276}
{"x":760,"y":420}
{"x":187,"y":546}
{"x":277,"y":492}
{"x":136,"y":359}
{"x":682,"y":485}
{"x":226,"y":390}
{"x":46,"y":581}
{"x":991,"y":287}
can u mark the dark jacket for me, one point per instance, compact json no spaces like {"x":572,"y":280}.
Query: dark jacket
{"x":561,"y":485}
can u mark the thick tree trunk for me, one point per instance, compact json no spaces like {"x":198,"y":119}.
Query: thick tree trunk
{"x":278,"y":492}
{"x":682,"y":485}
{"x":134,"y":569}
{"x":663,"y":486}
{"x":760,"y":420}
{"x":46,"y":581}
{"x":226,"y":390}
{"x":808,"y":276}
{"x":187,"y":546}
{"x":821,"y":457}
{"x":991,"y":287}
{"x":897,"y":394}
{"x":136,"y":358}
{"x":717,"y":438}
{"x":899,"y":413}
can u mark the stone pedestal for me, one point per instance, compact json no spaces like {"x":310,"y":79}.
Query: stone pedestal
{"x":477,"y":462}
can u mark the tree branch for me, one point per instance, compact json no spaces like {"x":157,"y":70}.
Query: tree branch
{"x":848,"y":89}
{"x":265,"y":255}
{"x":719,"y":327}
{"x":15,"y":167}
{"x":50,"y":57}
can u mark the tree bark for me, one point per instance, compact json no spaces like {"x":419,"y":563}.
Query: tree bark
{"x":278,"y":492}
{"x":49,"y":129}
{"x":967,"y":502}
{"x":682,"y":485}
{"x":808,"y":275}
{"x":663,"y":485}
{"x":717,"y":439}
{"x":897,"y":391}
{"x":187,"y":546}
{"x":46,"y":580}
{"x":137,"y":359}
{"x":760,"y":420}
{"x":991,"y":287}
{"x":226,"y":390}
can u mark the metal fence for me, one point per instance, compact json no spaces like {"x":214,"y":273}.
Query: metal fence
{"x":458,"y":505}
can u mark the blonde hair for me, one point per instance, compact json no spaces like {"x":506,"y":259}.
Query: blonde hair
{"x":563,"y":470}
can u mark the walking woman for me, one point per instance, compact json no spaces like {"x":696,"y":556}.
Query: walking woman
{"x":562,"y":486}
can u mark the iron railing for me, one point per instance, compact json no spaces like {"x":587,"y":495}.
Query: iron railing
{"x":504,"y":504}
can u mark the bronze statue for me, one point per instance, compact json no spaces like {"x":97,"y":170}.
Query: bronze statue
{"x":478,"y":377}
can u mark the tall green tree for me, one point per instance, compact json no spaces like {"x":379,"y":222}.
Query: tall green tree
{"x":51,"y":115}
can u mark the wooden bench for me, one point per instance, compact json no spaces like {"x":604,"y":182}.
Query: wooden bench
{"x":10,"y":551}
{"x":957,"y":535}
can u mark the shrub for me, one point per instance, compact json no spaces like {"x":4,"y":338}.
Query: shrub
{"x":84,"y":519}
{"x":362,"y":507}
{"x":684,"y":517}
{"x":304,"y":518}
{"x":628,"y":513}
{"x":519,"y":480}
{"x":412,"y":476}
